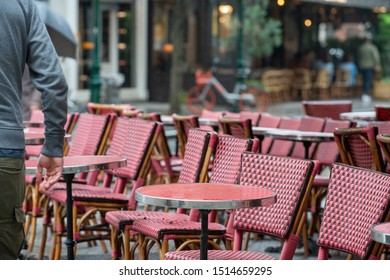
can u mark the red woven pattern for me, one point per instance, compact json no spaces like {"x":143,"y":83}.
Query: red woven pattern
{"x":89,"y":195}
{"x":217,"y":255}
{"x":119,"y":138}
{"x":326,"y":109}
{"x":254,"y":116}
{"x":287,"y":177}
{"x":194,"y":154}
{"x":360,"y":151}
{"x":328,"y":152}
{"x":121,"y":218}
{"x":356,"y":199}
{"x":88,"y":133}
{"x":138,"y":136}
{"x":268,"y":120}
{"x":308,"y":124}
{"x":226,"y":163}
{"x":283,"y":147}
{"x":157,"y":228}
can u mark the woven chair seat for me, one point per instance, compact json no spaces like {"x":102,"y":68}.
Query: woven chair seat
{"x":157,"y":229}
{"x":217,"y":255}
{"x":88,"y":195}
{"x":119,"y":219}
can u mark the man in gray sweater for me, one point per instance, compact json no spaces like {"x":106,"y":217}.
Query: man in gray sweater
{"x":24,"y":40}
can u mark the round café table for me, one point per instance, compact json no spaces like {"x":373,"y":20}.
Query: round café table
{"x":205,"y":197}
{"x":358,"y":116}
{"x":72,"y":166}
{"x":306,"y":137}
{"x":381,"y":233}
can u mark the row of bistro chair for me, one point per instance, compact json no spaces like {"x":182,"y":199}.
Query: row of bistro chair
{"x":206,"y":157}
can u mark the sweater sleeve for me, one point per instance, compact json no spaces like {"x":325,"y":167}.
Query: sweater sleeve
{"x":47,"y":76}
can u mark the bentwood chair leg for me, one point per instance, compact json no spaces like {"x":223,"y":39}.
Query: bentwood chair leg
{"x":45,"y":224}
{"x":141,"y":247}
{"x":305,"y":239}
{"x":115,"y":246}
{"x":35,"y":203}
{"x":126,"y":245}
{"x":164,"y":249}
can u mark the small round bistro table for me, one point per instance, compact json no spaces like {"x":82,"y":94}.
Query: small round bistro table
{"x":306,"y":137}
{"x":205,"y":197}
{"x":381,"y":233}
{"x":72,"y":166}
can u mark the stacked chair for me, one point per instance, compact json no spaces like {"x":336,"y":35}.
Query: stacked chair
{"x":88,"y":138}
{"x":291,"y":180}
{"x":199,"y":149}
{"x":226,"y":169}
{"x":134,"y":139}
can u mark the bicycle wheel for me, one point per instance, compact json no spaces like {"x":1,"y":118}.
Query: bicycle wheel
{"x":254,"y":99}
{"x":195,"y":104}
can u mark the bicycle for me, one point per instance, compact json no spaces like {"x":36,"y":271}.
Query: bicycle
{"x":243,"y":98}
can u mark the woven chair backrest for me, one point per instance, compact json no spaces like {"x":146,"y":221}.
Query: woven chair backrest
{"x":326,"y":109}
{"x":199,"y":141}
{"x":308,"y":124}
{"x":327,"y":152}
{"x":284,"y":147}
{"x":268,"y":120}
{"x":254,"y":116}
{"x":132,"y":139}
{"x":227,"y":159}
{"x":236,"y":127}
{"x":288,"y":177}
{"x":183,"y":125}
{"x":88,"y":134}
{"x":357,"y":198}
{"x":358,"y":147}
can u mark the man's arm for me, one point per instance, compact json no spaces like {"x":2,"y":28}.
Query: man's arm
{"x":47,"y":76}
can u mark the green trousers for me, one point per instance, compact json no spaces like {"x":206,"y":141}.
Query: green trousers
{"x":12,"y":191}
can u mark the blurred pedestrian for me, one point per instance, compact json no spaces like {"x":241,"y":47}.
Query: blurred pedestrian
{"x":24,"y":40}
{"x":348,"y":64}
{"x":369,"y":63}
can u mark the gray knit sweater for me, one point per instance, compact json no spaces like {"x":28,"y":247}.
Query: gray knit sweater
{"x":24,"y":40}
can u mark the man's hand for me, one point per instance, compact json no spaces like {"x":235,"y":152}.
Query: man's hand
{"x":53,"y":166}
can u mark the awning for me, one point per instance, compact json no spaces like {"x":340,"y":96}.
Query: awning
{"x":369,"y":4}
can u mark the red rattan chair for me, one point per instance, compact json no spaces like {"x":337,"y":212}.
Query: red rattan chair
{"x":226,"y":169}
{"x":382,"y":112}
{"x":200,"y":146}
{"x":357,"y":199}
{"x":134,"y":139}
{"x":182,"y":125}
{"x":268,"y":120}
{"x":327,"y":153}
{"x":162,"y":159}
{"x":359,"y":147}
{"x":89,"y":138}
{"x":210,"y":115}
{"x":284,"y":147}
{"x":291,"y":180}
{"x":254,"y":116}
{"x":308,"y":124}
{"x":326,"y":109}
{"x":236,"y":127}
